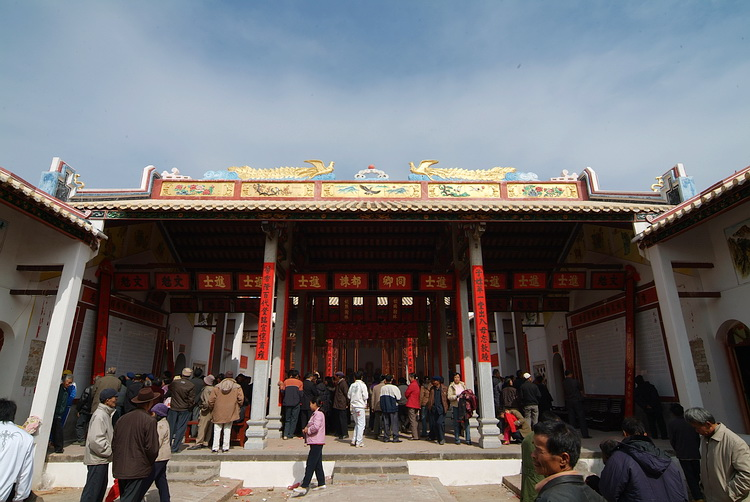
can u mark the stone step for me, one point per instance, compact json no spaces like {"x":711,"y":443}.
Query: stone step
{"x":353,"y":467}
{"x":193,"y":471}
{"x":369,"y":478}
{"x":370,"y":472}
{"x":513,"y":483}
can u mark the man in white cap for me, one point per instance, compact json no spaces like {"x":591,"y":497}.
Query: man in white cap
{"x":182,"y":392}
{"x":529,"y":395}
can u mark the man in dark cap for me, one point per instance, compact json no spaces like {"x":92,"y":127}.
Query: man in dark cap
{"x":341,"y":405}
{"x":98,"y":452}
{"x":135,"y":446}
{"x":437,"y":405}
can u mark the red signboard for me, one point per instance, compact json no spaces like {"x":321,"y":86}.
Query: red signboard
{"x":309,"y":281}
{"x":436,"y":282}
{"x":183,"y":305}
{"x":251,"y":305}
{"x":214,"y":282}
{"x":495,"y":281}
{"x":525,"y":304}
{"x":350,"y":281}
{"x":216,"y":305}
{"x":265,"y":315}
{"x":498,"y":304}
{"x":249,"y":282}
{"x":607,"y":280}
{"x":556,"y":304}
{"x":480,"y":315}
{"x":394,"y":282}
{"x":172,"y":282}
{"x":569,"y":280}
{"x":131,"y":282}
{"x":530,"y":280}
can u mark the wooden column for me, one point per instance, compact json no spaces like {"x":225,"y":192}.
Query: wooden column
{"x":104,"y":273}
{"x":630,"y":280}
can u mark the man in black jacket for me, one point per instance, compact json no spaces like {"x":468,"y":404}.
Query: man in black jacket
{"x":638,"y":471}
{"x":529,"y":396}
{"x":557,"y":448}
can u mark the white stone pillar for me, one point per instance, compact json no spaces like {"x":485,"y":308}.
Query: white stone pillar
{"x":239,"y":329}
{"x":274,"y":408}
{"x":688,"y":391}
{"x":55,"y":349}
{"x":489,"y":433}
{"x":256,"y":427}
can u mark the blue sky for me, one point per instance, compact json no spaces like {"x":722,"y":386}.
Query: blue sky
{"x":627,"y":88}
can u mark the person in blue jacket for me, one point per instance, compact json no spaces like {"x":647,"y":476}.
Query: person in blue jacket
{"x":639,"y":471}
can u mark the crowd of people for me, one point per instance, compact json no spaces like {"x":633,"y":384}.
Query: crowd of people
{"x":414,"y":408}
{"x":136,"y":422}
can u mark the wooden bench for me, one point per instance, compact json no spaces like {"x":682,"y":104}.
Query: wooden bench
{"x":604,"y":414}
{"x":237,"y":436}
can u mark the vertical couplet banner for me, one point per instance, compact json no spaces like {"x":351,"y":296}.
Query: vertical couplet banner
{"x":410,"y":368}
{"x":266,"y":312}
{"x":480,"y":315}
{"x":329,"y":357}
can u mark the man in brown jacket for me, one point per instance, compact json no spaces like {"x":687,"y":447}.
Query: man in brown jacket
{"x":182,"y":392}
{"x":225,"y":402}
{"x":341,"y":405}
{"x":135,"y":445}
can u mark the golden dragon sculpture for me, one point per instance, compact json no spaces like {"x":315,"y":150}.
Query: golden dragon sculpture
{"x":425,"y":168}
{"x":251,"y":173}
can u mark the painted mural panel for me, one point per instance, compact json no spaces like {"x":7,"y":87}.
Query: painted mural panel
{"x":738,"y":240}
{"x":543,"y":191}
{"x":270,"y":190}
{"x":460,"y":190}
{"x":196,"y":189}
{"x":356,"y":190}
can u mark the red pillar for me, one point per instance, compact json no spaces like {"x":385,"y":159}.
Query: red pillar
{"x":630,"y":280}
{"x":104,"y":273}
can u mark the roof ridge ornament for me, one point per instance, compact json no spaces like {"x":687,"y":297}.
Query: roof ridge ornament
{"x":318,"y":171}
{"x":363,"y":174}
{"x":425,"y":170}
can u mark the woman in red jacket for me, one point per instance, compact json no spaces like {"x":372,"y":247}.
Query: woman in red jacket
{"x":412,"y":404}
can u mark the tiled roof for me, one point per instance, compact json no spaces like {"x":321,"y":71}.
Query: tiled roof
{"x":374,"y":206}
{"x":25,"y":197}
{"x":690,"y":207}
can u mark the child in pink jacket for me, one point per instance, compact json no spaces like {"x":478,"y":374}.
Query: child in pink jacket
{"x":315,"y":438}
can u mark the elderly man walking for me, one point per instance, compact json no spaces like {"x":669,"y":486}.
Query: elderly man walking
{"x":135,"y":446}
{"x":225,"y":402}
{"x":182,"y":392}
{"x":98,"y":452}
{"x":725,"y":464}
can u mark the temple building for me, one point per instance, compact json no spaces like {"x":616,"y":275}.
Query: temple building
{"x":260,"y":271}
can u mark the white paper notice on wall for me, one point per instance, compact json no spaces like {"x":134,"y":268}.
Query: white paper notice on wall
{"x":601,"y":348}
